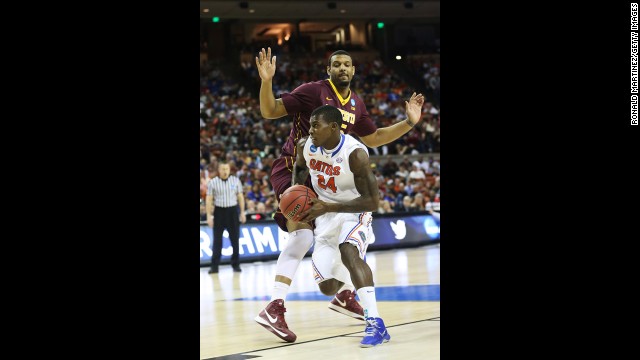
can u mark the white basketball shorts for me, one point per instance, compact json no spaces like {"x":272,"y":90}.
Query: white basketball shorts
{"x":333,"y":229}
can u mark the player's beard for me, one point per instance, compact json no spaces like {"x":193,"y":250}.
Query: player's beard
{"x":341,"y":83}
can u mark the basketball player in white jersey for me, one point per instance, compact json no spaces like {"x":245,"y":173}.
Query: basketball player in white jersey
{"x":347,"y":194}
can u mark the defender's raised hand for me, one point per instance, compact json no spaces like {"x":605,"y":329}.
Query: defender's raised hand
{"x":266,"y":64}
{"x":414,"y":108}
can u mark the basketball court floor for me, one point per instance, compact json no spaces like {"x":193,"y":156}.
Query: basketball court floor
{"x":407,"y":285}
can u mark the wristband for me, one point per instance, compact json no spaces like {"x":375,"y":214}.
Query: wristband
{"x":409,"y":122}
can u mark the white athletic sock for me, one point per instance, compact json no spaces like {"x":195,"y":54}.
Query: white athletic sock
{"x":367,"y":296}
{"x":280,"y":291}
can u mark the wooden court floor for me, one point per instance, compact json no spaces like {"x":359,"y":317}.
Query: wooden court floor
{"x":407,"y":290}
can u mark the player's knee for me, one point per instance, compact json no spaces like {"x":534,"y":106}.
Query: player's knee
{"x":295,"y":251}
{"x":330,"y":287}
{"x":298,"y":244}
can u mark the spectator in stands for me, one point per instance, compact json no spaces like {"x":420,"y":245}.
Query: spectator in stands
{"x":203,"y":184}
{"x":430,"y":139}
{"x":203,"y":210}
{"x":423,"y":164}
{"x":416,"y":173}
{"x":251,"y":207}
{"x":402,"y":173}
{"x":261,"y":208}
{"x":256,"y":195}
{"x":406,"y":163}
{"x":409,"y":187}
{"x":384,"y":206}
{"x":406,"y":204}
{"x":389,"y":168}
{"x":418,"y":203}
{"x":434,"y":164}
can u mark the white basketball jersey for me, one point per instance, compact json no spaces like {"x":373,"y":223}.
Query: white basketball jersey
{"x":330,"y":173}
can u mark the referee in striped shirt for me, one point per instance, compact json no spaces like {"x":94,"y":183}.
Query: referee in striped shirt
{"x":224,"y":194}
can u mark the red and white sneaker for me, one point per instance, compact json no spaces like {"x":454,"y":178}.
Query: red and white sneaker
{"x":345,"y":303}
{"x":272,"y":319}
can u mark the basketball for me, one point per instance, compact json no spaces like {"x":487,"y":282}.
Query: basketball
{"x":295,"y":200}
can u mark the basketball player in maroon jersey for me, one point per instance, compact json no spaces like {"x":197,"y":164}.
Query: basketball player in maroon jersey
{"x":299,"y":104}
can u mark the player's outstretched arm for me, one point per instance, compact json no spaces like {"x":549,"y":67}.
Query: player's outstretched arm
{"x":270,"y":108}
{"x":391,"y":133}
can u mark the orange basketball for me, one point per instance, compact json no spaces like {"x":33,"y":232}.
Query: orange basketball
{"x":295,"y":200}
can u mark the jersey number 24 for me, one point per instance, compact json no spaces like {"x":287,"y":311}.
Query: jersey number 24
{"x":331,"y":184}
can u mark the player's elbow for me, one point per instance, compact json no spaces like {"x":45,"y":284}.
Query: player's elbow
{"x":367,"y":141}
{"x":275,"y":112}
{"x":372,"y":141}
{"x":266,"y":114}
{"x":371,"y":204}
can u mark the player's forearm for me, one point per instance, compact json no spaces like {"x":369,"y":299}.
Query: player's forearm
{"x":267,"y":100}
{"x":357,"y":205}
{"x":387,"y":134}
{"x":300,"y":175}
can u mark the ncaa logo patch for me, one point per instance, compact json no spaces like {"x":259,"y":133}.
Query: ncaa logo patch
{"x":353,"y":102}
{"x":313,"y":148}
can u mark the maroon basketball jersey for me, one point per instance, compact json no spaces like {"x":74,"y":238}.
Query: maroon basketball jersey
{"x":301,"y":102}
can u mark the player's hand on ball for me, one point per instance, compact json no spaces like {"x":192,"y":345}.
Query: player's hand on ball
{"x":318,"y":208}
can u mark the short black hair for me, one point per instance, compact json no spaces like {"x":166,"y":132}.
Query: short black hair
{"x":339,"y":52}
{"x":329,"y":114}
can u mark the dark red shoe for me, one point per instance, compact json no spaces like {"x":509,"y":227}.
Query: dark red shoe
{"x":345,"y":303}
{"x":272,"y":319}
